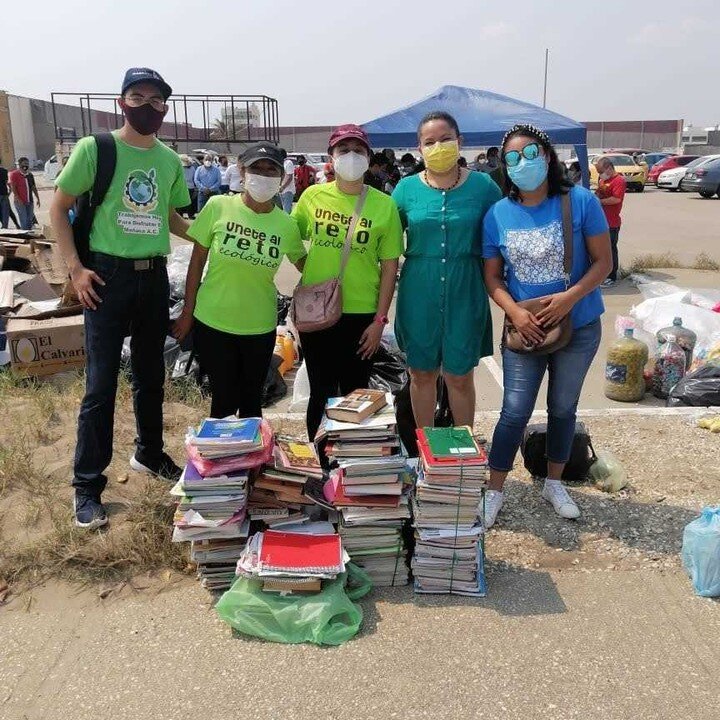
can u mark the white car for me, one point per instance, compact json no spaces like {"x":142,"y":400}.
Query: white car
{"x":671,"y":179}
{"x":52,"y":168}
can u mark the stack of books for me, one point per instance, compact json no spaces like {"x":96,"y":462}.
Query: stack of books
{"x":452,"y":477}
{"x":211,"y":514}
{"x":212,"y":506}
{"x":370,"y":486}
{"x":293,"y":562}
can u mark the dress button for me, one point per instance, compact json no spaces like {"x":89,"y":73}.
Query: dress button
{"x":443,"y":259}
{"x":442,"y":227}
{"x":442,"y":245}
{"x":443,"y":279}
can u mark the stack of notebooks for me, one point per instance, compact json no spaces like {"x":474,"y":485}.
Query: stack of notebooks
{"x":212,"y":506}
{"x":370,"y":487}
{"x":211,"y":514}
{"x":294,"y":562}
{"x":448,"y":495}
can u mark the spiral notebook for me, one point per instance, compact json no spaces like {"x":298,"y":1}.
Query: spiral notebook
{"x":300,"y":553}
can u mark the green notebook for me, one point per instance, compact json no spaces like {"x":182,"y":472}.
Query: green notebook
{"x":451,"y":442}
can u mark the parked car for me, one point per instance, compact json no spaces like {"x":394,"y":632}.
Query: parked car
{"x":52,"y":168}
{"x":667,"y":164}
{"x":652,"y":159}
{"x":670,"y":179}
{"x":704,"y":180}
{"x":635,"y":175}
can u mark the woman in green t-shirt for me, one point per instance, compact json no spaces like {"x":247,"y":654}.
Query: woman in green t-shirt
{"x":443,"y":315}
{"x":234,"y":310}
{"x":339,"y":359}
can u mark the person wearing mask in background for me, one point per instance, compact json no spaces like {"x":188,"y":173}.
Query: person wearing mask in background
{"x":22,"y":184}
{"x":329,"y":172}
{"x":480,"y":163}
{"x":374,"y":174}
{"x":524,"y":250}
{"x":304,"y":176}
{"x":339,"y":359}
{"x":233,"y":177}
{"x":208,"y":179}
{"x":189,"y":173}
{"x":575,"y":173}
{"x":493,"y":159}
{"x":223,"y":166}
{"x":611,"y":192}
{"x":234,"y":309}
{"x":408,"y":165}
{"x":124,"y":288}
{"x":443,"y":319}
{"x":287,"y":187}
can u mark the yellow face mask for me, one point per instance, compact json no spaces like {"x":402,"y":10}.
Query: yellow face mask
{"x":441,"y":156}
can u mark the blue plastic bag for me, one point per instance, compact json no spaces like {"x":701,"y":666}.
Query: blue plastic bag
{"x":701,"y":552}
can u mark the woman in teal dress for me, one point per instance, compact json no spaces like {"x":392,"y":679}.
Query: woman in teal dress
{"x":443,"y":315}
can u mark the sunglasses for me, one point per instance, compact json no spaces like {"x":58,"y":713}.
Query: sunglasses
{"x":529,"y":152}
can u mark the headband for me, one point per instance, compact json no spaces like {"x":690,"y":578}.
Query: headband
{"x":541,"y":135}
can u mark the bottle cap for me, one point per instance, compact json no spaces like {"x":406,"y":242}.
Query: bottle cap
{"x":677,"y":321}
{"x":628,"y":332}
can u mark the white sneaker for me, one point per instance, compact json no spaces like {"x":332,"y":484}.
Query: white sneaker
{"x":555,"y":493}
{"x":493,"y":502}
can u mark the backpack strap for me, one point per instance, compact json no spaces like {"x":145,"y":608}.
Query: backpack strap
{"x":567,"y":228}
{"x":106,"y":161}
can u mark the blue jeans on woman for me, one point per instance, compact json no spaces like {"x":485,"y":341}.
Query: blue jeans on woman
{"x":523,"y":375}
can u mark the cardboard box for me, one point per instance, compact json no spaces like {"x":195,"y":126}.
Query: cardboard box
{"x":46,"y":347}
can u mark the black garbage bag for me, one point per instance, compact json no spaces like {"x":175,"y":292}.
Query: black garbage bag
{"x":582,"y":455}
{"x":275,"y":387}
{"x":700,"y":388}
{"x":389,"y":371}
{"x":406,"y":420}
{"x":283,"y":308}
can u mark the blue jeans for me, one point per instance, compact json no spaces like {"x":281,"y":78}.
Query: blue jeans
{"x":135,"y":303}
{"x":523,"y":375}
{"x":286,"y":199}
{"x":25,"y":214}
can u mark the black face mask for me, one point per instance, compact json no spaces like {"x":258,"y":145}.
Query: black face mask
{"x":144,"y":119}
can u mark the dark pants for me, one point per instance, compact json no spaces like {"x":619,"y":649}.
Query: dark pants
{"x":135,"y":303}
{"x":237,"y":366}
{"x":5,"y":211}
{"x":614,"y":233}
{"x":333,"y":365}
{"x":189,"y":210}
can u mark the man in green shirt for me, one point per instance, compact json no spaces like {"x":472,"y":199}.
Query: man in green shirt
{"x":124,"y":287}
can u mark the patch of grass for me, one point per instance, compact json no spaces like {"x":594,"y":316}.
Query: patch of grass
{"x":704,"y":262}
{"x":138,"y":542}
{"x":652,"y":261}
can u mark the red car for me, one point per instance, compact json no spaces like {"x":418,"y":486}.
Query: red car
{"x":668,"y":164}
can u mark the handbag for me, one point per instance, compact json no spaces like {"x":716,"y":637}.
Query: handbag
{"x":319,"y":306}
{"x":534,"y":452}
{"x":557,"y":336}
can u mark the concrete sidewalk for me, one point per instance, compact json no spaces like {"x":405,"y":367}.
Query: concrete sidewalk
{"x":612,"y":645}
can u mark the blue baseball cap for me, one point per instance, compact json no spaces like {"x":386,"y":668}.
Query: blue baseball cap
{"x":145,"y":75}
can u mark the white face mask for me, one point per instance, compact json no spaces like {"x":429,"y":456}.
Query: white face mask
{"x":207,"y":163}
{"x":351,"y":166}
{"x":260,"y":187}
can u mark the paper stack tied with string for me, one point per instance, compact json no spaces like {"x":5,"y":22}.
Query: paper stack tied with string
{"x":446,"y":505}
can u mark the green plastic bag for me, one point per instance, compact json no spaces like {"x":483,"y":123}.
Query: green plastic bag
{"x":329,"y":617}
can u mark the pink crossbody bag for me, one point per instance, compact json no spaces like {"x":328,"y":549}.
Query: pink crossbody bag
{"x":319,"y":306}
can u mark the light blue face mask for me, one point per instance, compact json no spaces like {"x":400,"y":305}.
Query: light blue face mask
{"x":529,"y":174}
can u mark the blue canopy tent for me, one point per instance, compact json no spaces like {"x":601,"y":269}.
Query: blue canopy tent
{"x":483,"y":117}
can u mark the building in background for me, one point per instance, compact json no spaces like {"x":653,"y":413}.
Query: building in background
{"x":701,"y":141}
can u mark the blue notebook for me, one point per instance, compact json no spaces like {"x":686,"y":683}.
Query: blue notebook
{"x":243,"y":430}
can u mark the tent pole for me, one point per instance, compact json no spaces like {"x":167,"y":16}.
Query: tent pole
{"x":547,"y":53}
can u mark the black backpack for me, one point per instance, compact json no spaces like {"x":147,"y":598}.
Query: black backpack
{"x":87,"y":204}
{"x":582,"y":455}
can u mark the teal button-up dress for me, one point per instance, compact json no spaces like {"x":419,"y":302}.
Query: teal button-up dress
{"x":443,"y":313}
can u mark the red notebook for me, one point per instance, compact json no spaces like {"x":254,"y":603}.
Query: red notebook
{"x":335,"y":494}
{"x":431,"y":461}
{"x":300,"y":552}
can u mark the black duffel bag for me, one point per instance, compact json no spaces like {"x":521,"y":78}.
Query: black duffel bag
{"x":534,"y":447}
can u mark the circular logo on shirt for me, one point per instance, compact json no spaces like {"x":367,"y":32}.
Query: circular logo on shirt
{"x":141,"y":192}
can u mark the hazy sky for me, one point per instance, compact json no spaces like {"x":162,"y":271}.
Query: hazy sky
{"x":332,"y":61}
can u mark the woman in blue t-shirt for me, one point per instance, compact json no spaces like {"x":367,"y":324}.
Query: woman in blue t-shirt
{"x":524,"y":251}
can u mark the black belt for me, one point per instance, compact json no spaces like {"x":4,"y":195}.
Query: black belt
{"x":139,"y":265}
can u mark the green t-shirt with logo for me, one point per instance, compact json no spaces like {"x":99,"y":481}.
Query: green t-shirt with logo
{"x":132,"y":221}
{"x":323,"y":214}
{"x":238,"y":293}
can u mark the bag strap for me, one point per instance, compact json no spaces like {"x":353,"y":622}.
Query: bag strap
{"x":567,"y":226}
{"x":106,"y":161}
{"x":347,"y":246}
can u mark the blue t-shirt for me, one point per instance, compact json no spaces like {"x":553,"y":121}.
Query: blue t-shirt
{"x":530,"y":241}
